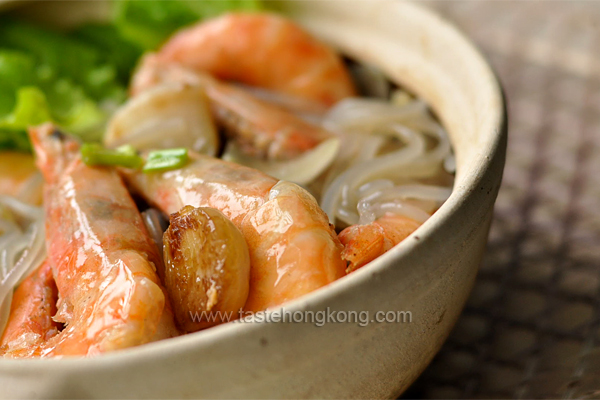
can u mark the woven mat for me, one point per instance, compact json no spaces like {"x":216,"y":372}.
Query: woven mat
{"x":532,"y":326}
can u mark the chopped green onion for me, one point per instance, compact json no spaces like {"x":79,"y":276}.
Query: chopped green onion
{"x":124,"y":156}
{"x":163,"y":160}
{"x":127,"y":149}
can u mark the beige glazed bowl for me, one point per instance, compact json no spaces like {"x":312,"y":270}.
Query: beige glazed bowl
{"x":430,"y":274}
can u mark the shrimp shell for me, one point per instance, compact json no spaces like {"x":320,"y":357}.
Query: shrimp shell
{"x":103,"y":260}
{"x":261,"y":129}
{"x":30,"y":323}
{"x":293,"y":249}
{"x":364,"y":243}
{"x":264,"y":50}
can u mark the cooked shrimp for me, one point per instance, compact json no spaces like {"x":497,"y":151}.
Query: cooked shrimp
{"x":293,"y":249}
{"x":18,"y":176}
{"x":262,"y":129}
{"x":364,"y":243}
{"x":103,"y":260}
{"x":30,"y":323}
{"x":264,"y":50}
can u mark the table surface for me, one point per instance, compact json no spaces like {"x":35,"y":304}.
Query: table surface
{"x":531,"y":328}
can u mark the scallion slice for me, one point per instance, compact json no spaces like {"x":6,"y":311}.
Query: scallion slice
{"x":163,"y":160}
{"x":94,"y":154}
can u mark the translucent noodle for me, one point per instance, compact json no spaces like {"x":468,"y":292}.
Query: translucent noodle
{"x":388,"y":149}
{"x":22,"y":247}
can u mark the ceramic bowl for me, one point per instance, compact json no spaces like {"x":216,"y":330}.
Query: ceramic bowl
{"x":429,"y":274}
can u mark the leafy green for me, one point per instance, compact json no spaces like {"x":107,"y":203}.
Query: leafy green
{"x":62,"y":56}
{"x":212,"y":8}
{"x":115,"y":49}
{"x":31,"y":109}
{"x":73,"y":110}
{"x":47,"y":76}
{"x":30,"y":95}
{"x":149,"y":23}
{"x":72,"y":78}
{"x":66,"y":56}
{"x":16,"y":69}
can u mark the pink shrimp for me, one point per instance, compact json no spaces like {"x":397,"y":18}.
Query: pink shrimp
{"x":264,"y":50}
{"x":30,"y":323}
{"x":261,"y":50}
{"x":103,"y":260}
{"x":364,"y":243}
{"x":293,"y":249}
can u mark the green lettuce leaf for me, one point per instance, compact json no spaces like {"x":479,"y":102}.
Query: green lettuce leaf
{"x":149,"y":23}
{"x":74,"y":111}
{"x":31,"y":95}
{"x":72,"y":78}
{"x":116,"y":50}
{"x":31,"y":109}
{"x":79,"y":115}
{"x":16,"y":69}
{"x":62,"y":56}
{"x":213,"y":8}
{"x":47,"y":76}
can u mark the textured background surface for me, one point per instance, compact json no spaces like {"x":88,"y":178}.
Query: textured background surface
{"x":532,"y":326}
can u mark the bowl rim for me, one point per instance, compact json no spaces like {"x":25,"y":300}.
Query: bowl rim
{"x":495,"y":145}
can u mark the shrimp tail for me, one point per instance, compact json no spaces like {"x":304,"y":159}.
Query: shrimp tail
{"x":30,"y":322}
{"x":364,"y":243}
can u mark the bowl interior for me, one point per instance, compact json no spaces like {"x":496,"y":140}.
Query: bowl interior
{"x":461,"y":90}
{"x":418,"y":50}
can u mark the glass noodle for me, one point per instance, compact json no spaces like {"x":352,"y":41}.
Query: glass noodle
{"x":22,"y":247}
{"x":399,"y":146}
{"x":394,"y":157}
